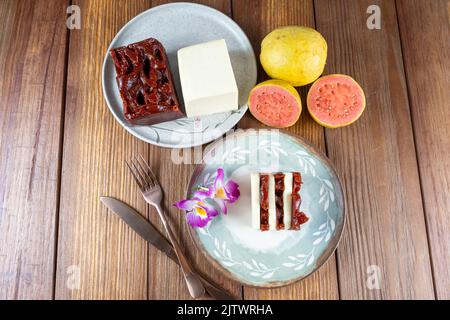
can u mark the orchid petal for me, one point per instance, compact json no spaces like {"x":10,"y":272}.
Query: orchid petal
{"x":232,"y":191}
{"x":196,"y":221}
{"x":222,"y":205}
{"x":210,"y":209}
{"x":218,"y":182}
{"x":187,"y":204}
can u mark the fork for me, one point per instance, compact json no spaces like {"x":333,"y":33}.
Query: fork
{"x":152,"y":193}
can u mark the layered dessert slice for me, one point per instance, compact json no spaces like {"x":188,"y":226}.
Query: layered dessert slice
{"x":145,"y":83}
{"x":276,"y":201}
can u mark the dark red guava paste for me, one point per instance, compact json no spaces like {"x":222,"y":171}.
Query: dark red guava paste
{"x":264,"y":201}
{"x":298,"y":217}
{"x":279,"y":190}
{"x":145,"y":83}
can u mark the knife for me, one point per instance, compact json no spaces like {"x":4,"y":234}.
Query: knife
{"x":148,"y":232}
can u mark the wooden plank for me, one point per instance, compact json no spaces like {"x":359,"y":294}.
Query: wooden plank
{"x":375,"y":158}
{"x":257,"y":18}
{"x":110,"y":259}
{"x":425,"y":34}
{"x":165,"y":278}
{"x":32,"y":62}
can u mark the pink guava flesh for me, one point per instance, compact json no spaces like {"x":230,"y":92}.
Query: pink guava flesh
{"x":274,"y":106}
{"x":336,"y":100}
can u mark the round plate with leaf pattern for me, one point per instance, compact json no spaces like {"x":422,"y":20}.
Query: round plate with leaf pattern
{"x":178,"y":25}
{"x":269,"y":258}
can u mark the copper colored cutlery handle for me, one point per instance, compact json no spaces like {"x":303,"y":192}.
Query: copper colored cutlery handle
{"x":195,"y":286}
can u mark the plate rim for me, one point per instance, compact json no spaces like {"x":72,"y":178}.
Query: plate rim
{"x":128,"y":128}
{"x":271,"y":284}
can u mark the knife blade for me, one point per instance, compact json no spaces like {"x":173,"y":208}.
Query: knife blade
{"x":148,"y":232}
{"x":139,"y":224}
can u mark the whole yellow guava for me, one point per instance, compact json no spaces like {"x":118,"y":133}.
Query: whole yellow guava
{"x":295,"y":54}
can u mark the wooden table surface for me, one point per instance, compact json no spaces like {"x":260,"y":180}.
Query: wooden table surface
{"x":60,"y":149}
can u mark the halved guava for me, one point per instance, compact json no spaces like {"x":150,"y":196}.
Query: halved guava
{"x":336,"y":100}
{"x":275,"y":103}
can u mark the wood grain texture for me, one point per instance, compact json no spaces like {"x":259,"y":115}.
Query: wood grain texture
{"x":110,"y":258}
{"x":165,"y":278}
{"x":425,"y":34}
{"x":257,"y":18}
{"x":32,"y":51}
{"x":376,"y":158}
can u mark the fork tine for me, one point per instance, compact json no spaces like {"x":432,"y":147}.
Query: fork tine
{"x":144,"y":181}
{"x":149,"y":170}
{"x":149,"y":179}
{"x":136,"y":179}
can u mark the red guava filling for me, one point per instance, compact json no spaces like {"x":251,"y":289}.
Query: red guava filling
{"x":298,"y":217}
{"x":336,"y":100}
{"x":274,"y":106}
{"x":279,"y":202}
{"x":264,"y":202}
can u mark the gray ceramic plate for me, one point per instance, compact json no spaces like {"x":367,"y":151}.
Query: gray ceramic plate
{"x":179,"y":25}
{"x":270,"y":258}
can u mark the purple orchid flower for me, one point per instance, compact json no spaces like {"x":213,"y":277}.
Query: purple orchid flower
{"x":224,"y":192}
{"x":199,"y":212}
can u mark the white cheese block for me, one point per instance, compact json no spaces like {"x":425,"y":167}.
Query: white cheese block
{"x":207,"y":79}
{"x":272,"y":207}
{"x":287,"y":200}
{"x":254,"y":182}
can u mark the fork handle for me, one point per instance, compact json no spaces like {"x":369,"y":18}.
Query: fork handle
{"x":195,"y":286}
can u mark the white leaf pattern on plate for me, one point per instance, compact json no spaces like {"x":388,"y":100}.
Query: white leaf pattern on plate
{"x":224,"y":254}
{"x":300,"y":261}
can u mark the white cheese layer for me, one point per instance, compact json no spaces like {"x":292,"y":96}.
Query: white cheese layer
{"x":255,"y":194}
{"x":207,"y":79}
{"x":287,"y":200}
